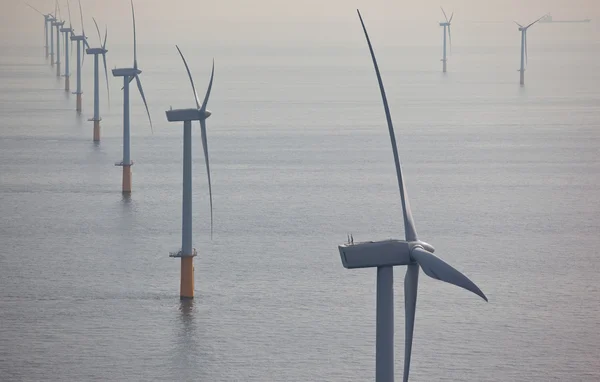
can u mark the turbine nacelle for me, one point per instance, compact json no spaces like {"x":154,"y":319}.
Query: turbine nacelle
{"x":58,"y":23}
{"x":78,"y":38}
{"x":95,"y":50}
{"x":445,"y":24}
{"x":191,"y":114}
{"x":64,"y":30}
{"x":372,"y":254}
{"x":126,"y":72}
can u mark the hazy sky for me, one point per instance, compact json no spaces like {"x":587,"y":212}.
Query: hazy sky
{"x":235,"y":20}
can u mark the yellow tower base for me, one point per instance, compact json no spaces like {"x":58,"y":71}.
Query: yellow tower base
{"x":67,"y":84}
{"x":78,"y":107}
{"x":126,"y":178}
{"x":96,"y":126}
{"x":186,"y":290}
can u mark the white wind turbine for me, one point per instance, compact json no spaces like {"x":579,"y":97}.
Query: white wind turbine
{"x":98,"y":51}
{"x":186,"y":116}
{"x":129,"y":74}
{"x":523,"y":31}
{"x":48,"y":18}
{"x":58,"y":24}
{"x":446,"y":25}
{"x":81,"y":41}
{"x":386,"y":254}
{"x":68,"y":32}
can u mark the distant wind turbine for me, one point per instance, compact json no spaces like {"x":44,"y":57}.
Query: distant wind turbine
{"x":58,"y":24}
{"x":129,"y":74}
{"x":48,"y":18}
{"x":446,"y":25}
{"x":68,"y":32}
{"x":81,"y":41}
{"x":98,"y":51}
{"x":386,"y":254}
{"x":523,"y":31}
{"x":186,"y":116}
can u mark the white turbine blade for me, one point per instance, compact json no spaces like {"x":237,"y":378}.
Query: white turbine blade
{"x":446,"y":17}
{"x":31,"y":6}
{"x":212,"y":75}
{"x":134,"y":38}
{"x":97,"y":30}
{"x":409,"y":225}
{"x":139,"y":85}
{"x":69,"y":9}
{"x":411,"y":282}
{"x":106,"y":76}
{"x":450,"y":36}
{"x":105,"y":36}
{"x":451,"y":16}
{"x":436,"y":268}
{"x":535,"y":22}
{"x":520,"y":26}
{"x":81,"y":16}
{"x":191,"y":79}
{"x":205,"y":147}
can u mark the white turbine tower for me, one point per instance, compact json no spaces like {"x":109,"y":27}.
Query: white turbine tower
{"x":98,"y":51}
{"x":523,"y":31}
{"x":48,"y":18}
{"x":186,"y":116}
{"x":68,"y":32}
{"x":446,"y":25}
{"x":81,"y":41}
{"x":384,"y":255}
{"x":129,"y":74}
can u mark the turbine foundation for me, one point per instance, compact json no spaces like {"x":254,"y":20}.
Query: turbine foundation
{"x":186,"y":290}
{"x":78,"y":108}
{"x":67,"y":83}
{"x":58,"y":69}
{"x":52,"y":60}
{"x":126,"y":179}
{"x":96,"y":123}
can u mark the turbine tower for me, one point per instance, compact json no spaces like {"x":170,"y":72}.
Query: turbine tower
{"x":129,"y":74}
{"x":446,"y":25}
{"x":68,"y":32}
{"x":187,"y":253}
{"x":523,"y":31}
{"x":81,"y":41}
{"x":48,"y":18}
{"x":386,"y":254}
{"x":58,"y":25}
{"x":98,"y":51}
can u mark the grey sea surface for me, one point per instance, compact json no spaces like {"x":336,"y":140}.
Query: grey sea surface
{"x":503,"y":181}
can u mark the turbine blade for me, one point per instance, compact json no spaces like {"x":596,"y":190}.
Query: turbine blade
{"x":520,"y":26}
{"x":212,"y":75}
{"x":446,"y":17}
{"x":436,"y":268}
{"x":191,"y":79}
{"x":139,"y":85}
{"x":450,"y":37}
{"x":32,"y":7}
{"x":411,"y":282}
{"x":69,"y":9}
{"x":205,"y":147}
{"x":106,"y":76}
{"x":134,"y":38}
{"x":97,"y":30}
{"x":81,"y":15}
{"x":451,"y":16}
{"x":535,"y":22}
{"x":409,"y":225}
{"x":105,"y":36}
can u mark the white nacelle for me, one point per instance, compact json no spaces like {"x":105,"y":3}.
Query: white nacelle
{"x":375,"y":254}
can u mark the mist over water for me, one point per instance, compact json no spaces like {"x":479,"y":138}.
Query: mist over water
{"x":502,"y":180}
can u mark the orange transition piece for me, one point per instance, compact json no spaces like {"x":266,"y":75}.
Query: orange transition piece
{"x":126,"y":178}
{"x":96,"y":126}
{"x":186,"y":290}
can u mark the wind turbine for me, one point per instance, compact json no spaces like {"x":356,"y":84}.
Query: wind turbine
{"x":81,"y":41}
{"x":48,"y":18}
{"x":386,"y":254}
{"x":68,"y":32}
{"x":98,"y":51}
{"x":186,"y":116}
{"x":129,"y":74}
{"x":523,"y":31}
{"x":446,"y":25}
{"x":58,"y":25}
